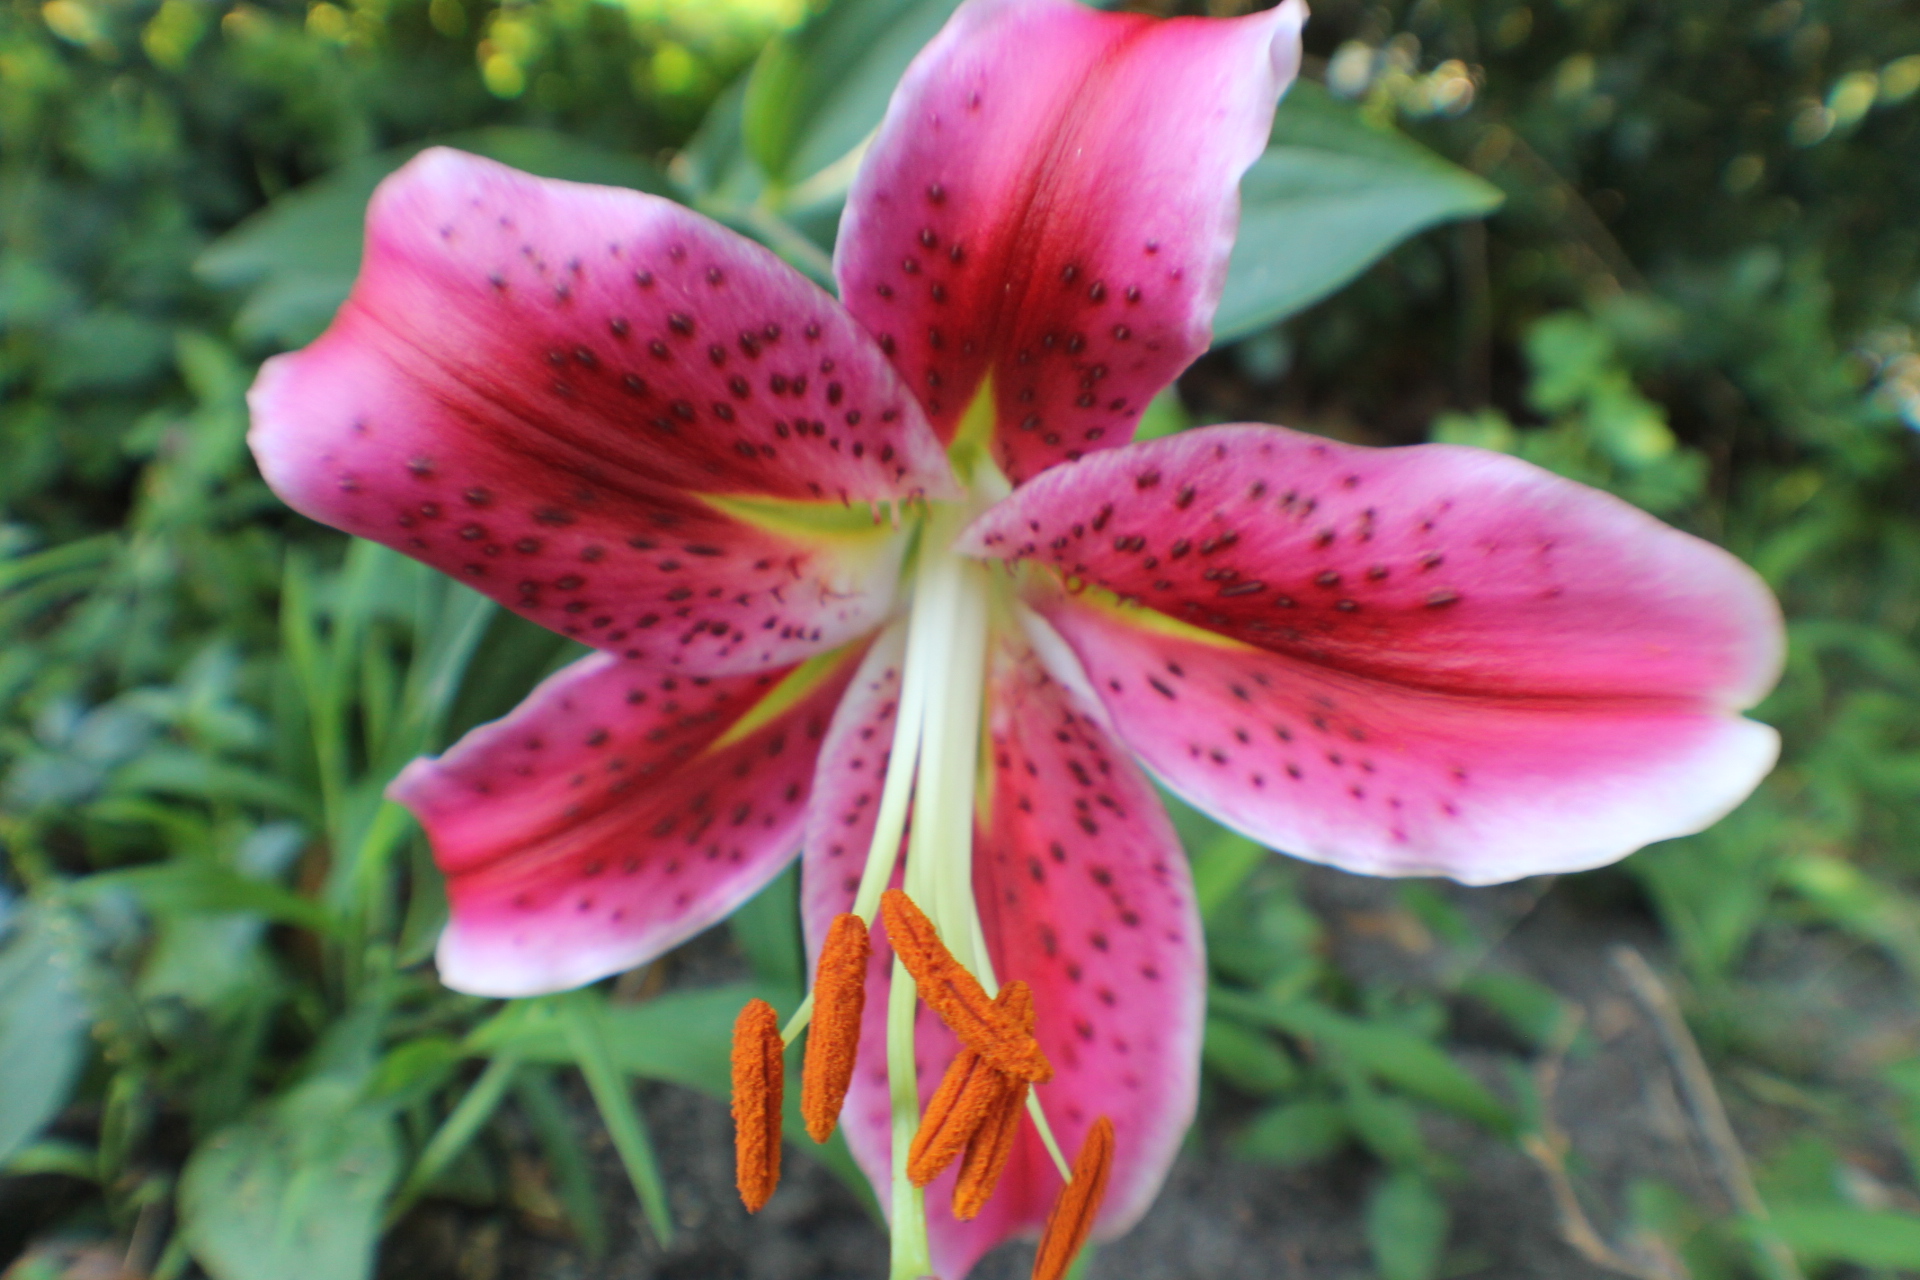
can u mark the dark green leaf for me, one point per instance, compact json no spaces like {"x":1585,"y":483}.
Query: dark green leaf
{"x":1839,"y":1233}
{"x":1330,"y":196}
{"x":207,"y":887}
{"x":43,"y":1025}
{"x":767,"y":929}
{"x":815,"y":94}
{"x":415,"y":1069}
{"x":456,"y":1132}
{"x":1388,"y":1124}
{"x":714,"y":166}
{"x":177,"y":771}
{"x":298,"y":256}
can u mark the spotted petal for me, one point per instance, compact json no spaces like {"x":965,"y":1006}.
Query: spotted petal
{"x":1083,"y":893}
{"x":604,"y":411}
{"x":615,"y":813}
{"x":1404,"y":661}
{"x":1050,"y":203}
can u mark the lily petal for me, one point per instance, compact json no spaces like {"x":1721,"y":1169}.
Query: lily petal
{"x":1431,"y":660}
{"x":847,"y":786}
{"x":1050,"y":203}
{"x":1084,"y":893}
{"x":571,"y":397}
{"x":615,"y":813}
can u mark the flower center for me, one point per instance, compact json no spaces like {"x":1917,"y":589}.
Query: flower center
{"x":933,"y":768}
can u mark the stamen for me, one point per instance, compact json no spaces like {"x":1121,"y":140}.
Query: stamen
{"x":839,"y":998}
{"x":971,"y":1096}
{"x":992,"y":1143}
{"x":969,"y":1091}
{"x":989,"y":1150}
{"x":957,"y":996}
{"x":759,"y":1081}
{"x":1072,"y":1218}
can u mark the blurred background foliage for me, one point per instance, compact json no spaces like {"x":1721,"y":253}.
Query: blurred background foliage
{"x":218,"y":1044}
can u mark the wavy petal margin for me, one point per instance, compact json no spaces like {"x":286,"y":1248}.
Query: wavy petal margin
{"x":1050,"y":203}
{"x":545,"y":389}
{"x":616,"y":812}
{"x":1431,"y":660}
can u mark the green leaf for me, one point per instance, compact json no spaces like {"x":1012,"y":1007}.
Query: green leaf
{"x":176,"y":887}
{"x":767,"y":929}
{"x":1838,"y":1233}
{"x":427,"y":909}
{"x":1858,"y":902}
{"x":684,"y":1037}
{"x":572,"y":1174}
{"x":1406,"y":1228}
{"x":816,"y":94}
{"x":295,"y":1192}
{"x":456,"y":1132}
{"x":714,"y":167}
{"x":415,"y":1069}
{"x":1220,"y":867}
{"x":1331,"y":195}
{"x":298,"y":256}
{"x":1387,"y":1124}
{"x":1295,"y":1133}
{"x":1165,"y":416}
{"x":178,"y":771}
{"x":68,"y":1159}
{"x":43,"y":1025}
{"x":1248,"y":1059}
{"x":1533,"y":1011}
{"x":681,"y":1037}
{"x":583,"y":1014}
{"x":210,"y":961}
{"x":1386,"y":1052}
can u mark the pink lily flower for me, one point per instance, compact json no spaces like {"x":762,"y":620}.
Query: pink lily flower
{"x":843,"y":557}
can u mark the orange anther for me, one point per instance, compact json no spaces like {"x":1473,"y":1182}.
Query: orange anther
{"x":957,"y":996}
{"x":1073,"y":1213}
{"x":972,"y":1096}
{"x":989,"y":1150}
{"x":1016,"y":1001}
{"x":992,"y":1143}
{"x":833,"y":1042}
{"x":966,"y":1094}
{"x":759,"y":1080}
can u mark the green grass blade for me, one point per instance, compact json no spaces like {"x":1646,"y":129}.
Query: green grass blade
{"x":460,"y":1127}
{"x":572,"y":1175}
{"x":580,"y":1013}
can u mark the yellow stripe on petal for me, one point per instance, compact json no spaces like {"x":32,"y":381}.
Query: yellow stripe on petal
{"x":783,"y":697}
{"x":808,"y":521}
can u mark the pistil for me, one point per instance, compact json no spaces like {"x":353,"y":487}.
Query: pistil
{"x":940,"y":952}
